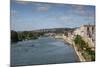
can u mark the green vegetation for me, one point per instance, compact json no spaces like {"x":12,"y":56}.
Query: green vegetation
{"x":14,"y":36}
{"x":86,"y":51}
{"x":25,"y":35}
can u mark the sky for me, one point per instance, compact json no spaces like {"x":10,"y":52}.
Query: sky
{"x":27,"y":16}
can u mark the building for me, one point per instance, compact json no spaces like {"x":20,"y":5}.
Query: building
{"x":88,"y":34}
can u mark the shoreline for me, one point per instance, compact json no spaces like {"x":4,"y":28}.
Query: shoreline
{"x":80,"y":57}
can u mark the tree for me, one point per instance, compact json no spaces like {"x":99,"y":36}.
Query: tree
{"x":87,"y":52}
{"x":14,"y":36}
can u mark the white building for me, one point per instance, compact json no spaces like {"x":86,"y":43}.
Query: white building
{"x":88,"y":33}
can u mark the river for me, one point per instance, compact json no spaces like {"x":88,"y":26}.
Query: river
{"x":45,"y":50}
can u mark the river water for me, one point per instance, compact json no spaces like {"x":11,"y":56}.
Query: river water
{"x":45,"y":50}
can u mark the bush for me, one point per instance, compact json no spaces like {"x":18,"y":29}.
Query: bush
{"x":87,"y":52}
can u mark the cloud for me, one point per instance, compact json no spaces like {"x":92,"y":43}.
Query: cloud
{"x":67,"y":19}
{"x":64,"y":18}
{"x":43,"y":8}
{"x":22,"y":2}
{"x":82,"y":11}
{"x":13,"y":12}
{"x":78,"y":7}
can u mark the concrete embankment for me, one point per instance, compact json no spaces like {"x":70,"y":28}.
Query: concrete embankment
{"x":79,"y":54}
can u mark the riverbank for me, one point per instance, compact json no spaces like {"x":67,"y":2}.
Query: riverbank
{"x":81,"y":58}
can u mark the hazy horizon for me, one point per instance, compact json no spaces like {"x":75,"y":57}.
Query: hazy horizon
{"x":27,"y":16}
